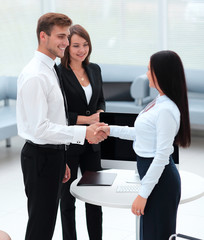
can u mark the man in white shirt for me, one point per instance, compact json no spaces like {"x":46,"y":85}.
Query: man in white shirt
{"x":41,"y":121}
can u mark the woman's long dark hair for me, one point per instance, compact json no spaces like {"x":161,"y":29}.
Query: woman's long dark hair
{"x":80,"y":31}
{"x":168,"y":69}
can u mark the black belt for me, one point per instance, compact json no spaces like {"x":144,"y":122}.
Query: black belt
{"x":52,"y":146}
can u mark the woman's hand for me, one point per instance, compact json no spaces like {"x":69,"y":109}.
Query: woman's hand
{"x":138,"y":205}
{"x":105,"y":129}
{"x":88,"y":120}
{"x":94,"y":118}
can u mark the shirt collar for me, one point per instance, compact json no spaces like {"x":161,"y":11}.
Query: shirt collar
{"x":45,"y":59}
{"x":162,"y":98}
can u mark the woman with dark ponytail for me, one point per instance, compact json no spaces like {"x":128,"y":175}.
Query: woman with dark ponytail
{"x":162,"y":123}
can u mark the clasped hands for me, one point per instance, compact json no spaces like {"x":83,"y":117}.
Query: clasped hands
{"x":97,"y":132}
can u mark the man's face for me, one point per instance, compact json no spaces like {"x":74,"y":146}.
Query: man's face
{"x":55,"y":44}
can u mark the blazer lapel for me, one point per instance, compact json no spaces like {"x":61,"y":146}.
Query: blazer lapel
{"x":92,"y":82}
{"x":77,"y":86}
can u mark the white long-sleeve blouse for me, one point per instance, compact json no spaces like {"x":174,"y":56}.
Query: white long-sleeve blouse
{"x":153,"y":135}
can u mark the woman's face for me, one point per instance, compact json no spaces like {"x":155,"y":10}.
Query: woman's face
{"x":153,"y":83}
{"x":78,"y":49}
{"x":149,"y":75}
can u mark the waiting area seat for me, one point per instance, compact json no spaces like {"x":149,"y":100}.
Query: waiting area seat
{"x":141,"y":94}
{"x":8,"y":94}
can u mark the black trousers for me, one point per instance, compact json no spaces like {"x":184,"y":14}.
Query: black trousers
{"x":87,"y":159}
{"x":43,"y":171}
{"x":159,"y":219}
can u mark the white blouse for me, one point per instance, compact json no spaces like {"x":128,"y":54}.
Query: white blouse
{"x":88,"y":92}
{"x":153,"y":134}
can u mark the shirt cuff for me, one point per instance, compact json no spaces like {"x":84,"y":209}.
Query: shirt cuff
{"x":143,"y":193}
{"x":79,"y":135}
{"x":114,"y":131}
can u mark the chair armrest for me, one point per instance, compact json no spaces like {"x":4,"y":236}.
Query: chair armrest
{"x":140,"y":89}
{"x":8,"y":88}
{"x":11,"y":87}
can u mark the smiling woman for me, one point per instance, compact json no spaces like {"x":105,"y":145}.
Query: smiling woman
{"x":78,"y":51}
{"x":83,"y":88}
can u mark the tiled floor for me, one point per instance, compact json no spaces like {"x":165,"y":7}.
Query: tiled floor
{"x":118,"y":224}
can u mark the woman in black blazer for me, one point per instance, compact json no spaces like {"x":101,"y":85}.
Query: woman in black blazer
{"x":83,"y":89}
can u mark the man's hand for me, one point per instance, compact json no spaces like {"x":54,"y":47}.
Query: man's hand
{"x":67,"y":174}
{"x":95,"y":137}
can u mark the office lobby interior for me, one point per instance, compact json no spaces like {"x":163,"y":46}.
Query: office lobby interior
{"x":124,"y":34}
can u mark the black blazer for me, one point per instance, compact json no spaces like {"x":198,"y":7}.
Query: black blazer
{"x":76,"y":99}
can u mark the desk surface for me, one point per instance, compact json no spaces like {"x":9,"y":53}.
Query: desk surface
{"x":192,"y":187}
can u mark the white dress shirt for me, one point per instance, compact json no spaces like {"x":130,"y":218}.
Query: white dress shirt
{"x":153,"y":134}
{"x":40,"y":105}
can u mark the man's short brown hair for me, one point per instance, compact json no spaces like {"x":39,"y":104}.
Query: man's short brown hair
{"x":48,"y":20}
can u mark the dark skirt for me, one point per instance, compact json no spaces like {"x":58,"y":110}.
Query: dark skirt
{"x":159,"y":219}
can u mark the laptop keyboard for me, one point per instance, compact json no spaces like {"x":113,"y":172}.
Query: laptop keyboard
{"x":128,"y":188}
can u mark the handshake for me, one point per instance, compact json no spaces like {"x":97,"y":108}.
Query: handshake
{"x":97,"y":132}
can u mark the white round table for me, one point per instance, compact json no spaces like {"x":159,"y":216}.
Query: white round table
{"x":192,"y":188}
